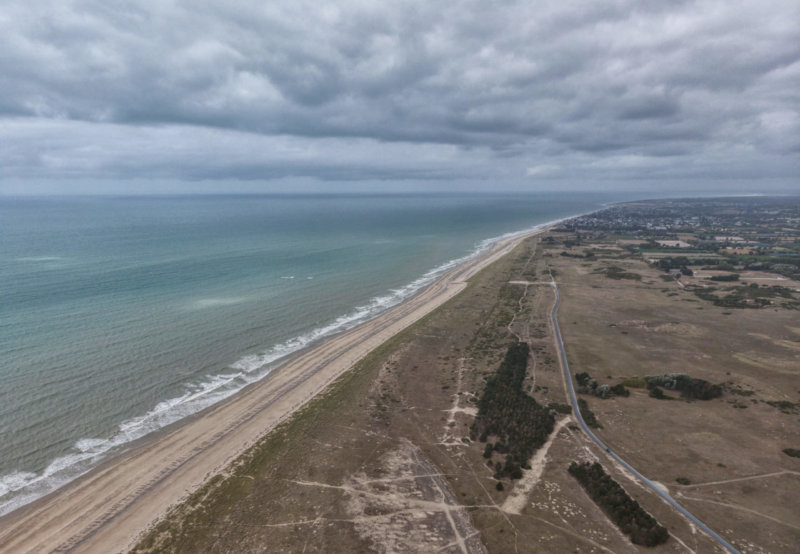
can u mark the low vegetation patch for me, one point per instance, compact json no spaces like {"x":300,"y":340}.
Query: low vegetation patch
{"x":748,"y":296}
{"x":614,"y":272}
{"x":634,"y":383}
{"x":588,"y":415}
{"x":793,"y":452}
{"x":587,"y":385}
{"x":518,"y":424}
{"x":728,"y":277}
{"x":626,"y":513}
{"x":689,"y":387}
{"x":560,"y":408}
{"x":785,"y":406}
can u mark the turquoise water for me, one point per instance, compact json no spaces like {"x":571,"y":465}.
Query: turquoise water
{"x":121,"y":315}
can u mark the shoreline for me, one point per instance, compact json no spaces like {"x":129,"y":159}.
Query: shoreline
{"x":249,"y":368}
{"x":136,"y":488}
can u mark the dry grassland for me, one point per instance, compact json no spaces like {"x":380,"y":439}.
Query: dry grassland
{"x":729,"y":449}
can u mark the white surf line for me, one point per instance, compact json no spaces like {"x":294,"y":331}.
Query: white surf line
{"x":518,"y":498}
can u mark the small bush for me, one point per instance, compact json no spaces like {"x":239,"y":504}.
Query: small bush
{"x":588,"y":415}
{"x":634,"y":383}
{"x":560,"y":408}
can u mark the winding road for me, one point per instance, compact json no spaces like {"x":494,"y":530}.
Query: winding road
{"x":647,"y":482}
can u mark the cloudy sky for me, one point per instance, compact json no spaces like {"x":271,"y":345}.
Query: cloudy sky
{"x":143,"y":95}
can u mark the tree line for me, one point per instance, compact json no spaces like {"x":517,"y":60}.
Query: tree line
{"x":625,"y":512}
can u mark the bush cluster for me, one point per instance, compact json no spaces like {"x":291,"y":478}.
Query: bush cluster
{"x":587,"y":385}
{"x":625,"y":512}
{"x":728,"y":277}
{"x":588,"y":415}
{"x":689,"y":387}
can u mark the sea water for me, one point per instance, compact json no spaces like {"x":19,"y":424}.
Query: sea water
{"x":119,"y":316}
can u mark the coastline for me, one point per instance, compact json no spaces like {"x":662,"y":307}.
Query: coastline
{"x":136,"y":488}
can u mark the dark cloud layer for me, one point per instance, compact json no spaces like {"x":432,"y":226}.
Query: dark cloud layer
{"x":506,"y":91}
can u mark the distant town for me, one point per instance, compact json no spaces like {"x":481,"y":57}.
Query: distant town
{"x":751,"y":240}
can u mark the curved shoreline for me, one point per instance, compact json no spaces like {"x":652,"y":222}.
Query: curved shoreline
{"x":26,"y":487}
{"x":109,"y":507}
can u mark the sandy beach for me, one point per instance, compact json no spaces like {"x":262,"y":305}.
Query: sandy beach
{"x":109,"y":508}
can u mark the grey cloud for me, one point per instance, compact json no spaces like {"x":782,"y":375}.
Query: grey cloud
{"x":508,"y":84}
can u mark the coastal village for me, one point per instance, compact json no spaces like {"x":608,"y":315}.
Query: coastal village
{"x":751,"y":244}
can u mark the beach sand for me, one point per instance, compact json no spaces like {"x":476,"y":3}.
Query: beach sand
{"x":110,"y":507}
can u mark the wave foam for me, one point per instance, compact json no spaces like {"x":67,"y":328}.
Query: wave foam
{"x":216,"y":302}
{"x":21,"y":487}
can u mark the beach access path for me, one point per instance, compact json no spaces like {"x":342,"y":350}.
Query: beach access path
{"x":109,"y":508}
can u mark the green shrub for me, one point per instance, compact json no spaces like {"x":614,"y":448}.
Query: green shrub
{"x":634,"y":383}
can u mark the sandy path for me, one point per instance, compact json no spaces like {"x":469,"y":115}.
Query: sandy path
{"x":110,"y":507}
{"x":518,"y":499}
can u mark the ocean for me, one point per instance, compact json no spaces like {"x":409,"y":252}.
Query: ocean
{"x":121,"y":315}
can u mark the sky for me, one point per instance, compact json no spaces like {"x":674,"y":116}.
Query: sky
{"x":247,"y":96}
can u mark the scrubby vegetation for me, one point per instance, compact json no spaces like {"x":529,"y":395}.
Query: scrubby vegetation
{"x":625,"y":512}
{"x":560,"y":408}
{"x":587,"y":385}
{"x":728,"y":277}
{"x":634,"y":383}
{"x":513,"y":422}
{"x":785,"y":406}
{"x":793,"y":452}
{"x":747,"y":296}
{"x":614,"y":272}
{"x":680,"y":262}
{"x":588,"y":415}
{"x":689,"y":387}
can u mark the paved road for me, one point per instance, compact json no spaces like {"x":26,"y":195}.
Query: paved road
{"x":647,"y":482}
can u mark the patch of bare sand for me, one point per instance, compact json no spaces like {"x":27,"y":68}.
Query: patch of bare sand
{"x":772,"y":363}
{"x":516,"y":501}
{"x":410,"y":508}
